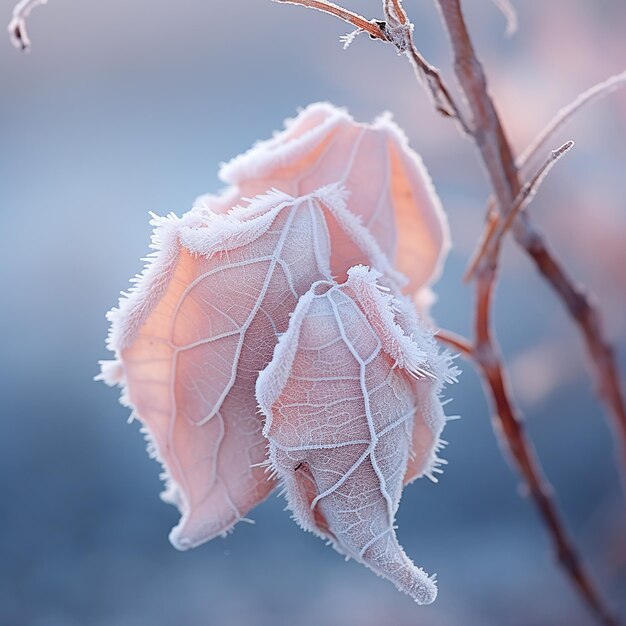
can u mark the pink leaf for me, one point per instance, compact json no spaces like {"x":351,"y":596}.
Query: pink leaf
{"x":191,"y":337}
{"x":341,"y":417}
{"x":389,"y":188}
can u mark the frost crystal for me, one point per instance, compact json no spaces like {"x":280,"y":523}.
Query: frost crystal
{"x":389,"y":188}
{"x":190,"y":362}
{"x":346,"y":417}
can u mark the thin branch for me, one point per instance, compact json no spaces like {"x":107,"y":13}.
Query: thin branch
{"x":397,"y":30}
{"x":592,"y":94}
{"x":395,"y":8}
{"x":17,"y":25}
{"x":493,"y":217}
{"x":400,"y":32}
{"x":496,"y":231}
{"x":528,"y":192}
{"x":429,"y":76}
{"x":356,"y":20}
{"x":497,"y":158}
{"x":488,"y":133}
{"x":455,"y":341}
{"x":583,"y":311}
{"x":509,"y":422}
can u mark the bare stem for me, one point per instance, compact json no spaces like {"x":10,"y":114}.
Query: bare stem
{"x":497,"y":158}
{"x":455,"y":341}
{"x":491,"y":224}
{"x":509,"y":422}
{"x":394,"y":10}
{"x":491,"y":243}
{"x":356,"y":20}
{"x":429,"y":76}
{"x":397,"y":30}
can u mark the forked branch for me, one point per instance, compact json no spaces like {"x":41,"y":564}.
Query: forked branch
{"x":396,"y":30}
{"x":497,"y":158}
{"x":498,"y":226}
{"x":501,"y":167}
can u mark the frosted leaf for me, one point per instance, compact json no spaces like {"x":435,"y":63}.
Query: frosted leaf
{"x":429,"y":415}
{"x":341,"y":413}
{"x":194,"y":332}
{"x":389,"y":188}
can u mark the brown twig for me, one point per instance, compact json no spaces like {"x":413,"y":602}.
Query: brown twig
{"x":498,"y":160}
{"x":508,"y":422}
{"x":456,"y":342}
{"x":527,"y":193}
{"x":429,"y":75}
{"x":398,"y":10}
{"x":594,"y":93}
{"x":396,"y":30}
{"x":583,"y":311}
{"x":356,"y":20}
{"x":491,"y":223}
{"x":496,"y":230}
{"x":400,"y":32}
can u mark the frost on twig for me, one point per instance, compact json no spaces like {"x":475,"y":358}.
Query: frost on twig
{"x":528,"y":192}
{"x":590,"y":95}
{"x":574,"y":297}
{"x":17,"y":25}
{"x":371,"y":27}
{"x":348,"y":38}
{"x":496,"y":154}
{"x":497,"y":228}
{"x":398,"y":31}
{"x":352,"y":406}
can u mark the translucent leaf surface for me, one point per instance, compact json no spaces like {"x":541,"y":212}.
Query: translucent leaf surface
{"x":343,"y":420}
{"x":389,"y":187}
{"x":190,"y":339}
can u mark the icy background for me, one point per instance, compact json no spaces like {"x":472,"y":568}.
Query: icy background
{"x":126,"y":107}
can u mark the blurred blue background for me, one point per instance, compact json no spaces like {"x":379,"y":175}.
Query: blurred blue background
{"x":126,"y":107}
